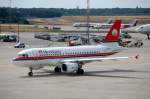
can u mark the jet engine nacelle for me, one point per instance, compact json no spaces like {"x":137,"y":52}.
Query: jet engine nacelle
{"x":70,"y":67}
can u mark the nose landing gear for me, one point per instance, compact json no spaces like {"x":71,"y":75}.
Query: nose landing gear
{"x":57,"y":69}
{"x":148,"y":36}
{"x":80,"y":71}
{"x":30,"y":73}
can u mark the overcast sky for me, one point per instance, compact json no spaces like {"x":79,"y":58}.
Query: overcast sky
{"x":75,"y":3}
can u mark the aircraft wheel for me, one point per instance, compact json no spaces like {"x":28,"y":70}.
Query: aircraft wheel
{"x":80,"y":71}
{"x":57,"y":69}
{"x":141,"y":43}
{"x":30,"y":74}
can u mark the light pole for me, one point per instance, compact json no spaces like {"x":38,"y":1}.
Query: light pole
{"x":10,"y":15}
{"x":18,"y":12}
{"x":18,"y":31}
{"x":0,"y":27}
{"x":88,"y":20}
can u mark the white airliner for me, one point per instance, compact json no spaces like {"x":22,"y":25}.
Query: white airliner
{"x":71,"y":59}
{"x":91,"y":24}
{"x":145,"y":29}
{"x":123,"y":26}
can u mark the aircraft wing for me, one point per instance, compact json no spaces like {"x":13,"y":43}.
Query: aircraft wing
{"x":96,"y":59}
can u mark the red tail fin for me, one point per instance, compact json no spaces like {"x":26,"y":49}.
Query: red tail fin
{"x":114,"y":32}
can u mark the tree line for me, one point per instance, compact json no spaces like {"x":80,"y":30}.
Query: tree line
{"x":14,"y":15}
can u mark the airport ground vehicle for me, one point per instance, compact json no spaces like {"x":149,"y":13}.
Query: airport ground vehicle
{"x":71,"y":59}
{"x":19,"y":45}
{"x":8,"y":38}
{"x":131,"y":43}
{"x":135,"y":43}
{"x":56,"y":28}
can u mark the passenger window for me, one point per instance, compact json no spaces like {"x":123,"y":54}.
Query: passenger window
{"x":25,"y":55}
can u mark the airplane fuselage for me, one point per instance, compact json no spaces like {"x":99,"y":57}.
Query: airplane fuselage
{"x":107,"y":26}
{"x":39,"y":57}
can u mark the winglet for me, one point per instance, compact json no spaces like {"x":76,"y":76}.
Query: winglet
{"x":114,"y":32}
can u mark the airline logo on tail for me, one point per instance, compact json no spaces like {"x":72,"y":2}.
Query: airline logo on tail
{"x":114,"y":32}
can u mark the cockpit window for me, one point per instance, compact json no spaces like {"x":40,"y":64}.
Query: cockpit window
{"x":23,"y":55}
{"x":141,"y":27}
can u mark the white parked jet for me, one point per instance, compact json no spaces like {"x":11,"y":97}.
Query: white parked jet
{"x":71,"y":59}
{"x":91,"y":24}
{"x":123,"y":26}
{"x":145,"y":29}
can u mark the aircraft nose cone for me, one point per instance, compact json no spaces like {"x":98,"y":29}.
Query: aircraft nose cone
{"x":14,"y":61}
{"x":137,"y":30}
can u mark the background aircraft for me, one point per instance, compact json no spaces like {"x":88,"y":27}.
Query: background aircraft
{"x":91,"y":24}
{"x":123,"y":26}
{"x":145,"y":29}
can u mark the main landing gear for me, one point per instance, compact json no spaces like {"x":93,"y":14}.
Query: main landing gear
{"x":57,"y":69}
{"x":30,"y":73}
{"x":80,"y":71}
{"x":148,"y":36}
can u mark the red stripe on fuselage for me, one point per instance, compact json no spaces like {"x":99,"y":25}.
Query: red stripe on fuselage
{"x":63,"y":56}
